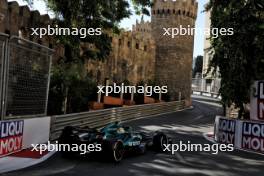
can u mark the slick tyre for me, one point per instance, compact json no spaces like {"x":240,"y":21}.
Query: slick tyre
{"x":158,"y":142}
{"x":67,"y":138}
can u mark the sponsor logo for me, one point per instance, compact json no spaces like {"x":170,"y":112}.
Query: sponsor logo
{"x":261,"y":100}
{"x":134,"y":143}
{"x":11,"y":136}
{"x":226,"y":132}
{"x":190,"y":147}
{"x":253,"y":136}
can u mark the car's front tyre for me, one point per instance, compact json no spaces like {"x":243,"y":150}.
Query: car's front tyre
{"x":159,"y":142}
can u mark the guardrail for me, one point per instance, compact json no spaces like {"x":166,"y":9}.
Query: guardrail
{"x":207,"y":94}
{"x":100,"y":118}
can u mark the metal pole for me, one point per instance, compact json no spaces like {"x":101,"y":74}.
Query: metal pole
{"x":3,"y":56}
{"x":160,"y":96}
{"x":99,"y":97}
{"x":132,"y":96}
{"x":48,"y":84}
{"x":122,"y":92}
{"x":5,"y":80}
{"x":180,"y":94}
{"x":145,"y":88}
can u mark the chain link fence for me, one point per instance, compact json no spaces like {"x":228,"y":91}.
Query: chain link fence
{"x":26,"y":76}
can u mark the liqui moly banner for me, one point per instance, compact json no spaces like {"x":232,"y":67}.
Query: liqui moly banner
{"x":11,"y":136}
{"x":252,"y":137}
{"x":246,"y":135}
{"x":16,"y":135}
{"x":225,"y":130}
{"x":257,"y":101}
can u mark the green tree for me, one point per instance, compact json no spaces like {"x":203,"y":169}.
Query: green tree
{"x":239,"y":57}
{"x":70,"y":89}
{"x":198,"y":67}
{"x":69,"y":72}
{"x":105,"y":14}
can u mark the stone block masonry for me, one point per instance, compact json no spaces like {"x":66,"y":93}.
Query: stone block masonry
{"x":141,"y":54}
{"x":174,"y":55}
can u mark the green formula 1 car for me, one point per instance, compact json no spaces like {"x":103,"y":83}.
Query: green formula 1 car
{"x":114,"y":141}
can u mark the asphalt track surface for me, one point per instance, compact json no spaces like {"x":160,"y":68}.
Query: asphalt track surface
{"x":187,"y":125}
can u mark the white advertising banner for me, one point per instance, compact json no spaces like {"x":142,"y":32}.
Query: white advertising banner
{"x":36,"y":131}
{"x":16,"y":135}
{"x":246,"y":135}
{"x":257,"y":101}
{"x":252,"y":137}
{"x":225,"y":130}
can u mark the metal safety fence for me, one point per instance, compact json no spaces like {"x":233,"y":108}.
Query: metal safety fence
{"x":206,"y":85}
{"x":99,"y":118}
{"x":25,"y":77}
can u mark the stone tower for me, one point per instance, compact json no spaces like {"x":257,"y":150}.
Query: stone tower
{"x":174,"y":55}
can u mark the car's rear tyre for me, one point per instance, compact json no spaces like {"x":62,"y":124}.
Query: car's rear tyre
{"x":159,"y":140}
{"x":113,"y":150}
{"x":67,"y":138}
